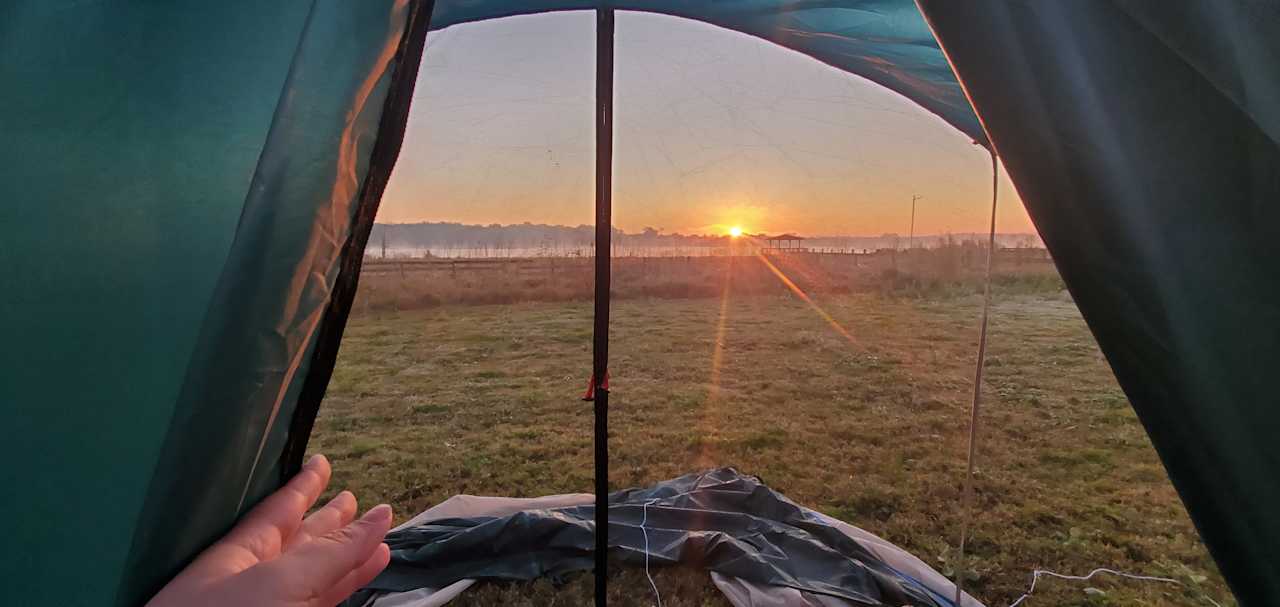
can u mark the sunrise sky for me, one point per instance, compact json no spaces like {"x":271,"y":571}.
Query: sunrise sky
{"x":713,"y":129}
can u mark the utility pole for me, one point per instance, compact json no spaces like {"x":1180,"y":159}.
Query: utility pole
{"x":911,"y":232}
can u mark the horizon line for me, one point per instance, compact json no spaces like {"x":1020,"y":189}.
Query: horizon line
{"x":662,"y":232}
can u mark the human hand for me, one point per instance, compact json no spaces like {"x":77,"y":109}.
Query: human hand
{"x":275,"y":558}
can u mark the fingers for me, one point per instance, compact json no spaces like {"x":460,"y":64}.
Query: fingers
{"x":334,"y":515}
{"x":268,"y":526}
{"x":359,"y":577}
{"x":327,"y":560}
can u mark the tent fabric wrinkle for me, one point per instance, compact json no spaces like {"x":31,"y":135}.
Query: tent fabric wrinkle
{"x":728,"y":522}
{"x":1139,"y":125}
{"x":1235,"y":64}
{"x":276,"y":281}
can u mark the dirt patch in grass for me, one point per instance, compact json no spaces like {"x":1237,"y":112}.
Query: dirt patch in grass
{"x":485,"y":400}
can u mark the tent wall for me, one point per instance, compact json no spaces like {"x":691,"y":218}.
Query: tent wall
{"x":181,"y":181}
{"x":1142,"y":137}
{"x":131,"y":133}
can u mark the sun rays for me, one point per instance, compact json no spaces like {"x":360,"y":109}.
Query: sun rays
{"x":809,"y":300}
{"x":708,"y":425}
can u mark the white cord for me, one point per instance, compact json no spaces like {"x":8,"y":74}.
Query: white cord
{"x":1035,"y":577}
{"x":966,"y":500}
{"x":644,"y":518}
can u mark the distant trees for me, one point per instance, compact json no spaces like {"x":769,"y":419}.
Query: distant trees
{"x":531,"y":239}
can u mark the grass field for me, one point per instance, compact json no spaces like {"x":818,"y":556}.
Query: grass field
{"x":870,"y":428}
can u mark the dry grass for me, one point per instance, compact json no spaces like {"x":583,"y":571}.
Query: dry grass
{"x":416,"y":284}
{"x":453,"y":399}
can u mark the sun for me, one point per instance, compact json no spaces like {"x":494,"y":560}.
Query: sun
{"x":735,"y":231}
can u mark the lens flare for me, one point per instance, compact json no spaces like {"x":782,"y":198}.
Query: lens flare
{"x":839,"y":328}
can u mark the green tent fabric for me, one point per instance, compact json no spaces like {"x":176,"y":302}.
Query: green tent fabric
{"x":1142,"y":137}
{"x":181,"y":181}
{"x":189,"y":188}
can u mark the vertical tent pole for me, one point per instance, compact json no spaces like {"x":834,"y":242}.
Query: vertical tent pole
{"x":604,"y":229}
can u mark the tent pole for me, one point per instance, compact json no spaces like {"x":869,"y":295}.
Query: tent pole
{"x":604,"y":233}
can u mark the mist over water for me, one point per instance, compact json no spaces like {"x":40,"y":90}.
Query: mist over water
{"x":447,"y":240}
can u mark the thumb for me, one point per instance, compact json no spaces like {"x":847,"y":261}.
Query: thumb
{"x":317,"y":567}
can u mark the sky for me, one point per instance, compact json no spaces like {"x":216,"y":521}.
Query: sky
{"x":713,"y":129}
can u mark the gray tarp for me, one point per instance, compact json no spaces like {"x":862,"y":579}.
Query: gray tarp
{"x":761,"y":548}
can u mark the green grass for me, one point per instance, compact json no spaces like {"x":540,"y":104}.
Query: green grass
{"x":485,"y":400}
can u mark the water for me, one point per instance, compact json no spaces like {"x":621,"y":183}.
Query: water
{"x":745,"y":246}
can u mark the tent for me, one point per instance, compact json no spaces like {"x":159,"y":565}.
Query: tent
{"x":189,"y":187}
